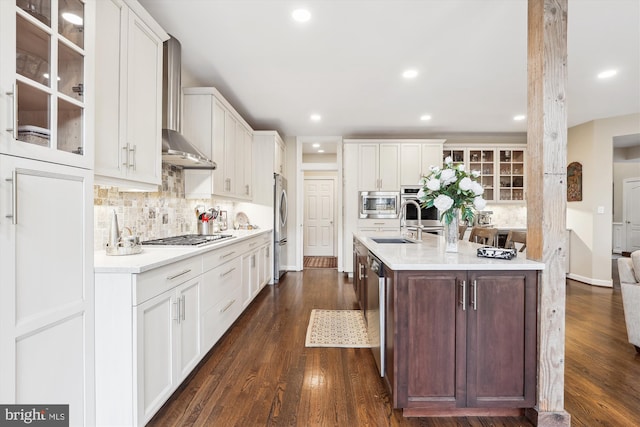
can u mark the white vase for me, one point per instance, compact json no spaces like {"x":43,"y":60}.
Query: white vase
{"x":451,"y":233}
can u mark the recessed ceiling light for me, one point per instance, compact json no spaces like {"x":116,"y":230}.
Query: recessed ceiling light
{"x":301,"y":15}
{"x":316,"y":145}
{"x":410,"y":74}
{"x":320,"y":151}
{"x":425,"y":117}
{"x":607,"y":74}
{"x":519,"y":117}
{"x":316,"y":117}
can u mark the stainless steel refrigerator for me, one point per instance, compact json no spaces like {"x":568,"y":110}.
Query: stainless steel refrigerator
{"x":279,"y":226}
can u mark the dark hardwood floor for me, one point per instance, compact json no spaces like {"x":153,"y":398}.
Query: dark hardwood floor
{"x":261,"y":374}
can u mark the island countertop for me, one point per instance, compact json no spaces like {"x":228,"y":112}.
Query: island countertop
{"x":429,"y":254}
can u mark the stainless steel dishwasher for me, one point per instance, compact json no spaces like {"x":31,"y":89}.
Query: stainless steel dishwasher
{"x":374,"y":313}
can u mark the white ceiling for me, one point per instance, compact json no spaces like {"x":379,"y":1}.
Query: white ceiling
{"x":346,"y":62}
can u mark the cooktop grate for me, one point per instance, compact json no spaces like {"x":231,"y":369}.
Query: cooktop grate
{"x":187,"y":240}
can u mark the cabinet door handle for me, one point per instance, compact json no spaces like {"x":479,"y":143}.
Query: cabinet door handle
{"x":184,"y":307}
{"x":226,"y":307}
{"x":126,"y":155}
{"x":474,"y":303}
{"x":14,"y":197}
{"x":226,"y":273}
{"x":463,"y":291}
{"x":133,"y":156}
{"x":14,"y":108}
{"x":228,"y":255}
{"x":179,"y":274}
{"x":247,"y":191}
{"x":176,"y":305}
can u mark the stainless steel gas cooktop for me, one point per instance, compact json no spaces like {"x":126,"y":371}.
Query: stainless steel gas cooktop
{"x":188,"y":240}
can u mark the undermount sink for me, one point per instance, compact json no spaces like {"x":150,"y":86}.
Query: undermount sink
{"x":391,"y":240}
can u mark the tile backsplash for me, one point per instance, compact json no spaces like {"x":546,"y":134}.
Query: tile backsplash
{"x":508,"y":215}
{"x":150,"y":215}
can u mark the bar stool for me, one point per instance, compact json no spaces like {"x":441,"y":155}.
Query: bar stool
{"x":483,"y":235}
{"x":516,"y":237}
{"x":461,"y":230}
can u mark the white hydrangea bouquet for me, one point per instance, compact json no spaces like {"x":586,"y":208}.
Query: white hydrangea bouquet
{"x":451,"y":189}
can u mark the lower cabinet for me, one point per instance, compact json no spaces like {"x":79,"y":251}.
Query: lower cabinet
{"x":153,"y":328}
{"x":168,"y":345}
{"x":462,"y":341}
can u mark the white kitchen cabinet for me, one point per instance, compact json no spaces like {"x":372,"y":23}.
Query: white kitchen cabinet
{"x":416,"y":158}
{"x":390,"y":227}
{"x":129,"y":97}
{"x":268,"y":154}
{"x":46,"y":286}
{"x":501,"y":169}
{"x":280,"y":163}
{"x":214,"y":126}
{"x":220,"y":299}
{"x":154,"y":327}
{"x":378,"y":166}
{"x":168,"y":344}
{"x":266,"y":263}
{"x":46,"y":81}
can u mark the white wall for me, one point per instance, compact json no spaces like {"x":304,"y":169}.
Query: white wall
{"x":591,"y":144}
{"x":622,"y":171}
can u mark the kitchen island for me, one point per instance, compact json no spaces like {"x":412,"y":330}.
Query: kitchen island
{"x":460,"y":331}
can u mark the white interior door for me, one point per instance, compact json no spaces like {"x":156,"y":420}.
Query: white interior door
{"x":319,"y":195}
{"x":631,"y":213}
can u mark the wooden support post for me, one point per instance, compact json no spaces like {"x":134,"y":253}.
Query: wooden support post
{"x":546,"y":197}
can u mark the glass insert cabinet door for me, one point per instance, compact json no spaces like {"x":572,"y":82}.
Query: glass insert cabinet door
{"x":48,"y":94}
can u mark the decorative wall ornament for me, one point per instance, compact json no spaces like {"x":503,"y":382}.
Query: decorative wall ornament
{"x":574,"y":182}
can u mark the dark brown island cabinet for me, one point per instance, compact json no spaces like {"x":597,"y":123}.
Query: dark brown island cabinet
{"x":461,"y":343}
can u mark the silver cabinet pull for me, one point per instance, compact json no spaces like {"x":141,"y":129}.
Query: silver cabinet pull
{"x":228,"y":272}
{"x":475,"y":295}
{"x":184,"y":307}
{"x":14,"y":108}
{"x":126,"y":156}
{"x":228,"y":255}
{"x":133,"y":156}
{"x":463,"y":290}
{"x":179,"y":274}
{"x":226,"y":307}
{"x":14,"y":197}
{"x":176,"y":304}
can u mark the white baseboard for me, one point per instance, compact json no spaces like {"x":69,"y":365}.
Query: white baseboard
{"x":590,"y":281}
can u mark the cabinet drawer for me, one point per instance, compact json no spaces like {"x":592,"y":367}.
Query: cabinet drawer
{"x":223,"y":306}
{"x":379,"y":223}
{"x":154,"y":282}
{"x":219,"y":282}
{"x":217,"y":257}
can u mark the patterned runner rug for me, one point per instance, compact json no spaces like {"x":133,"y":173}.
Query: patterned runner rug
{"x":320,"y":262}
{"x":337,"y":328}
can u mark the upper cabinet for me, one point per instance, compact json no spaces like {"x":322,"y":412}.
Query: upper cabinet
{"x":378,"y":166}
{"x":269,"y":153}
{"x":216,"y":128}
{"x":417,"y":157}
{"x":46,"y":85}
{"x":129,"y":96}
{"x":501,"y":169}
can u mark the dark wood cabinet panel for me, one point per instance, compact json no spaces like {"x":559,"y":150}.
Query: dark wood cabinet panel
{"x":501,"y":339}
{"x":462,"y":340}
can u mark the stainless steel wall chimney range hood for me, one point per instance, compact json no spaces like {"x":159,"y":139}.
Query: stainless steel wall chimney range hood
{"x":176,"y":150}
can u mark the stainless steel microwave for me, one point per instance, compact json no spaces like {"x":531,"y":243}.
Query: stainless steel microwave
{"x":379,"y":204}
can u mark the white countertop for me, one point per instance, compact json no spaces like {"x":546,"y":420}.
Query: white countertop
{"x":429,"y":254}
{"x":156,"y":256}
